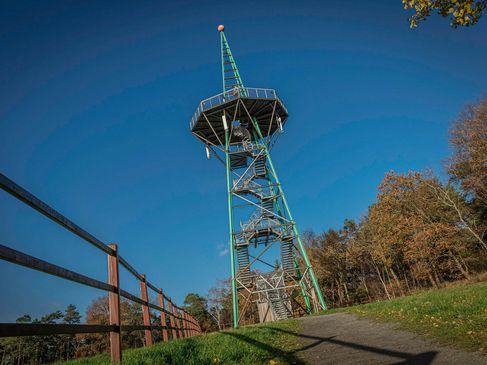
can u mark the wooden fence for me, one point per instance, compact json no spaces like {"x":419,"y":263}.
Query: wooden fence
{"x":175,"y":321}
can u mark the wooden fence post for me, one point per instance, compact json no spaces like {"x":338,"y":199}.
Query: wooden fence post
{"x":114,"y":305}
{"x":188,"y":323}
{"x":195,"y":326}
{"x":145,"y":310}
{"x":178,"y":321}
{"x":195,"y":329}
{"x":173,"y":322}
{"x":185,"y":331}
{"x":183,"y":322}
{"x":160,"y":296}
{"x":191,"y":326}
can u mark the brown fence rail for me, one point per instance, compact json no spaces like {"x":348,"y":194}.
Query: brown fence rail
{"x":181,"y":323}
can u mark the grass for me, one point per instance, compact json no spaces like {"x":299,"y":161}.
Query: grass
{"x":455,"y":316}
{"x":260,"y":344}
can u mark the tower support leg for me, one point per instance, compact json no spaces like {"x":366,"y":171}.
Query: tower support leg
{"x":230,"y":218}
{"x":303,"y":287}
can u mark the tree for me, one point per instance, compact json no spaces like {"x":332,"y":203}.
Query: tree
{"x":419,"y":233}
{"x":70,"y":343}
{"x":328,"y":259}
{"x":33,"y":349}
{"x":47,"y":348}
{"x":220,"y":304}
{"x":468,"y":165}
{"x":413,"y":228}
{"x":94,"y":343}
{"x":461,"y":12}
{"x":71,"y":315}
{"x":463,"y":213}
{"x":197,"y":306}
{"x":17,"y":350}
{"x":468,"y":139}
{"x":360,"y":262}
{"x":98,"y":313}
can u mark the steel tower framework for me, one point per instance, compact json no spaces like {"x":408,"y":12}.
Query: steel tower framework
{"x":239,"y":127}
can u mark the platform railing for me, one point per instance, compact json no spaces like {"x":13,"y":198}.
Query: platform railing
{"x":233,"y":94}
{"x":175,"y":321}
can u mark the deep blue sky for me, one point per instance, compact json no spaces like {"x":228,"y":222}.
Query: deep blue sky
{"x":95,"y":103}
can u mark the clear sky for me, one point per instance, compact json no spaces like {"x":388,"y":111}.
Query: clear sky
{"x":95,"y":103}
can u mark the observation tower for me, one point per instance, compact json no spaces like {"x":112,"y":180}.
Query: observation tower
{"x":271,"y":274}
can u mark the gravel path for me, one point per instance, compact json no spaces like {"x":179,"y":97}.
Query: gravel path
{"x":343,"y":339}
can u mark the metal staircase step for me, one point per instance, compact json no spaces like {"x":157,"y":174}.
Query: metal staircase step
{"x":260,"y":166}
{"x":287,"y":256}
{"x":268,"y":205}
{"x":243,"y":256}
{"x":276,"y":302}
{"x":238,"y":160}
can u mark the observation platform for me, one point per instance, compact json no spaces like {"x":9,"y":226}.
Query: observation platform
{"x":238,"y":104}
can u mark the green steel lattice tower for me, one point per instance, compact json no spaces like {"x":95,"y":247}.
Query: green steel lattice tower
{"x":271,"y":273}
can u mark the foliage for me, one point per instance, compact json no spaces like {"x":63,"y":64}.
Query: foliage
{"x":98,"y":313}
{"x":46,"y":349}
{"x":456,"y":316}
{"x":197,"y":306}
{"x":220,"y":304}
{"x":461,"y":12}
{"x":419,"y":233}
{"x":273,"y":343}
{"x":468,"y":165}
{"x":41,"y":349}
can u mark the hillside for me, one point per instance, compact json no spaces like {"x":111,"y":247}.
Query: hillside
{"x":455,"y":316}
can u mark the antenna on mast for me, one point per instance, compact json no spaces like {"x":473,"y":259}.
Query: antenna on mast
{"x":230,"y":75}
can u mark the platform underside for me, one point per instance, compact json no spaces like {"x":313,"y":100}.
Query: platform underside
{"x":267,"y":112}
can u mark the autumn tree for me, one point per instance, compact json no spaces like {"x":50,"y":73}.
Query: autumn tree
{"x":414,"y":231}
{"x":330,"y":260}
{"x":98,"y":313}
{"x":361,"y":265}
{"x":461,"y":12}
{"x":418,"y":233}
{"x":468,"y":139}
{"x":333,"y":264}
{"x":468,"y":165}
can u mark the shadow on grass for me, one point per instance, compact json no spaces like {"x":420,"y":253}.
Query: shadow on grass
{"x":289,"y":356}
{"x":424,"y":358}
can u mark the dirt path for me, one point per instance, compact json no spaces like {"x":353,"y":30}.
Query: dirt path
{"x":343,"y":339}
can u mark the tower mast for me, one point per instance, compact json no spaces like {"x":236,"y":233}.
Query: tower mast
{"x":231,"y":79}
{"x":239,"y":126}
{"x":230,"y":75}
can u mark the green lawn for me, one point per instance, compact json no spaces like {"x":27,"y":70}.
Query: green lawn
{"x":456,"y":316}
{"x":253,"y":345}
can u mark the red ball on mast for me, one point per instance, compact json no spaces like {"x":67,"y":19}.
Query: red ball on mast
{"x":221,"y":28}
